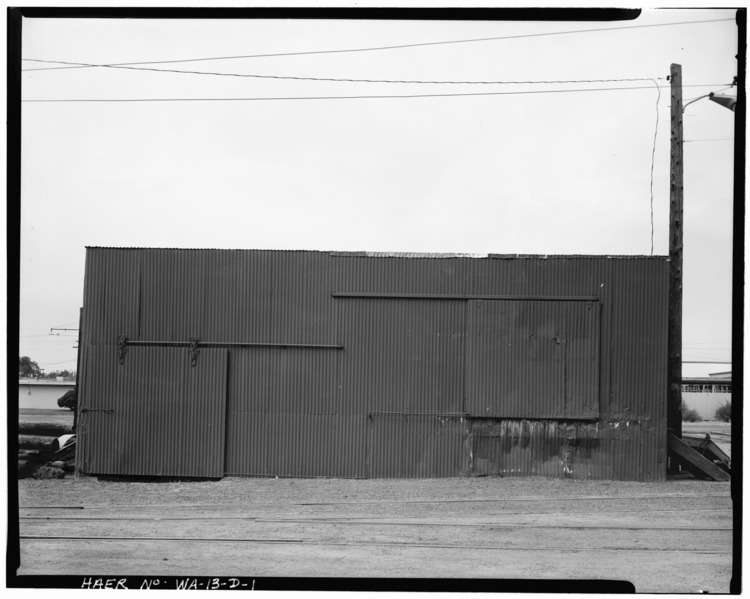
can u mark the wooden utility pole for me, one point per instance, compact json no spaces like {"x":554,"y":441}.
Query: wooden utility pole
{"x":674,"y":397}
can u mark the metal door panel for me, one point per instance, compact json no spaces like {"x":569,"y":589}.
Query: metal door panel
{"x":155,"y":414}
{"x":532,"y":359}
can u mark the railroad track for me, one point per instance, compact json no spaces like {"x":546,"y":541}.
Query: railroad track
{"x":566,"y":548}
{"x":564,"y":499}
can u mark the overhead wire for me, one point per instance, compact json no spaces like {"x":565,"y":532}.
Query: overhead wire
{"x":56,"y":363}
{"x":653,"y":154}
{"x":710,"y":139}
{"x":135,"y":66}
{"x":362,"y":97}
{"x":351,"y":80}
{"x":379,"y":48}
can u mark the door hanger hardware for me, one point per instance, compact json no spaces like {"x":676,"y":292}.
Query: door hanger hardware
{"x":193,"y":350}
{"x":122,"y":348}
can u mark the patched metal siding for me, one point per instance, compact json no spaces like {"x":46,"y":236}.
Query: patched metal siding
{"x":417,"y":446}
{"x":619,"y":450}
{"x":154,"y":414}
{"x":533,"y":359}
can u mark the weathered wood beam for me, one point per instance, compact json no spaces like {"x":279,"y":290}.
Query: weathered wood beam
{"x":695,"y":460}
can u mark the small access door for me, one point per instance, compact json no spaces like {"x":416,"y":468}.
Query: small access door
{"x":153,"y":415}
{"x":532,"y":359}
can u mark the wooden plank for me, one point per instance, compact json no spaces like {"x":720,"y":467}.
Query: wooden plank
{"x":695,"y":459}
{"x":710,"y":450}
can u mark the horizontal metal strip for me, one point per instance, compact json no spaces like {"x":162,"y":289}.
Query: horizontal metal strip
{"x":465,"y":296}
{"x":228,"y":344}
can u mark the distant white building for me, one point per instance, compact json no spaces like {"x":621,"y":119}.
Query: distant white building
{"x":706,"y":397}
{"x":42,"y":394}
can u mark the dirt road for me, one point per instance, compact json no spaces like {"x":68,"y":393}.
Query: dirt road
{"x":668,"y":538}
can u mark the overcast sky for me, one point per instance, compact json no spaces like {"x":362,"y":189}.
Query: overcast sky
{"x":540,"y":170}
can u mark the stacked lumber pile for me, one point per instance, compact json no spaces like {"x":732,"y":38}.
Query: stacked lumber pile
{"x":45,"y":449}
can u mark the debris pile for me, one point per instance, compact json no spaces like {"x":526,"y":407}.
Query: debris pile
{"x":45,"y":447}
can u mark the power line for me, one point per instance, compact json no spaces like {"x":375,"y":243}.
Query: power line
{"x":712,"y":139}
{"x":653,"y":154}
{"x":348,"y":80}
{"x":56,"y":363}
{"x":367,"y":97}
{"x":377,"y":48}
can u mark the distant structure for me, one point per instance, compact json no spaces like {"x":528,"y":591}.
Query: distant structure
{"x":721,"y":375}
{"x":42,"y":394}
{"x":211,"y":363}
{"x":705,"y":396}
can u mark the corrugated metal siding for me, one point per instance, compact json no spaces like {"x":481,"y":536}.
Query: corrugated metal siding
{"x":287,"y":408}
{"x":154,"y":415}
{"x":402,"y":275}
{"x":417,"y":446}
{"x":303,"y":445}
{"x":286,"y":381}
{"x":217,"y":296}
{"x":403,"y":356}
{"x":532,"y":359}
{"x":111,"y":295}
{"x":301,"y":307}
{"x":633,"y":293}
{"x":582,"y":362}
{"x":238,"y":297}
{"x":620,"y":450}
{"x":637,"y":339}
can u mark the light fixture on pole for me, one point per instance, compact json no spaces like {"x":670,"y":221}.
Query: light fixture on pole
{"x":726,"y":101}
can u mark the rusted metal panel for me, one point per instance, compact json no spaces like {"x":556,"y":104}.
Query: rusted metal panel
{"x":154,"y":415}
{"x":612,"y":450}
{"x":302,"y":445}
{"x":532,"y":359}
{"x":404,"y":356}
{"x":417,"y":446}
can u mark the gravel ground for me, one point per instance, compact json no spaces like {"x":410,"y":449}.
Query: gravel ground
{"x":91,"y":491}
{"x":664,"y":537}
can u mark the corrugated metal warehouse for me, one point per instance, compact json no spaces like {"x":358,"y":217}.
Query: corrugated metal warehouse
{"x":206,"y":363}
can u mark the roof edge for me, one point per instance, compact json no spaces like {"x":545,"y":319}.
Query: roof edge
{"x":366,"y":254}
